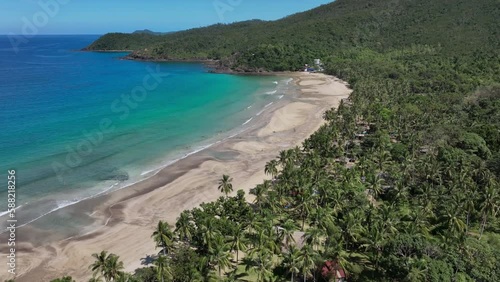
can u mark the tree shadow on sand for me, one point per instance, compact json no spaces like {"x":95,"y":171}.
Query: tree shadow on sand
{"x":149,"y":259}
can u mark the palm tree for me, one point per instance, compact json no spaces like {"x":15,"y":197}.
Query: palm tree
{"x":374,"y":184}
{"x":306,"y":260}
{"x":351,"y":228}
{"x":418,"y":271}
{"x":314,"y":237}
{"x":239,"y":242}
{"x":383,"y":159}
{"x":272,"y":168}
{"x":386,"y":214}
{"x":263,"y":240}
{"x":163,"y":237}
{"x":284,"y":158}
{"x":183,"y":226}
{"x":260,"y":193}
{"x":219,"y":254}
{"x":305,"y":205}
{"x":261,"y":262}
{"x":452,"y":222}
{"x":225,"y":185}
{"x":108,"y":265}
{"x":124,"y":277}
{"x":95,"y":278}
{"x":420,"y":222}
{"x":99,"y":265}
{"x":375,"y":241}
{"x":489,"y":206}
{"x":347,"y":260}
{"x":234,"y":276}
{"x":469,"y":205}
{"x":286,"y":231}
{"x":162,"y":268}
{"x":114,"y":268}
{"x":322,"y":218}
{"x":208,"y":234}
{"x":291,"y":262}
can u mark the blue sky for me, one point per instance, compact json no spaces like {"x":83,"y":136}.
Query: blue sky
{"x":102,"y":16}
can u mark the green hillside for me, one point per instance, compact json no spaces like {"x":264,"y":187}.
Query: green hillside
{"x":456,"y":26}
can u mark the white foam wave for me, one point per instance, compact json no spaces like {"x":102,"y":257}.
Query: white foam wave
{"x":198,"y":150}
{"x":288,"y":81}
{"x":59,"y":206}
{"x":275,"y":82}
{"x":148,"y":171}
{"x":231,"y":136}
{"x":7,"y":211}
{"x":281,"y":96}
{"x":246,"y":122}
{"x":63,"y":204}
{"x":271,"y":92}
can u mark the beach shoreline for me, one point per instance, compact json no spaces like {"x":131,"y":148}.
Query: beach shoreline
{"x":124,"y":220}
{"x":212,"y":65}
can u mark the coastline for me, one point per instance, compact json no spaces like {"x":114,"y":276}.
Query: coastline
{"x":213,"y":65}
{"x":125,"y":219}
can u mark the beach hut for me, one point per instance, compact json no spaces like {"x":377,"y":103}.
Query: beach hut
{"x":332,"y":271}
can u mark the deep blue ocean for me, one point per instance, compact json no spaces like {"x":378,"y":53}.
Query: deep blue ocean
{"x":78,"y":124}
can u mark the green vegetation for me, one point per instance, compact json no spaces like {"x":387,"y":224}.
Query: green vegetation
{"x":401,"y":184}
{"x":454,"y":27}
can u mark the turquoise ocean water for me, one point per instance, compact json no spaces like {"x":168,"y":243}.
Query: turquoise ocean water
{"x":79,"y":124}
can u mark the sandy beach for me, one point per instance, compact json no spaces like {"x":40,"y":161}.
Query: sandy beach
{"x":124,"y":220}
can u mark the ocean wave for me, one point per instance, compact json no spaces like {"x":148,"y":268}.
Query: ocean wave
{"x":149,"y":173}
{"x":281,"y":96}
{"x":158,"y":169}
{"x":198,"y":150}
{"x":60,"y":205}
{"x":271,"y":92}
{"x":7,"y":211}
{"x":66,"y":203}
{"x":288,"y":81}
{"x":231,"y":136}
{"x":246,"y":122}
{"x":275,"y":82}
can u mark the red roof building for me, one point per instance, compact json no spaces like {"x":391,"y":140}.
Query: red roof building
{"x":332,"y":271}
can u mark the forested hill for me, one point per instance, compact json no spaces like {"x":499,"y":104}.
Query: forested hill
{"x":456,"y":26}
